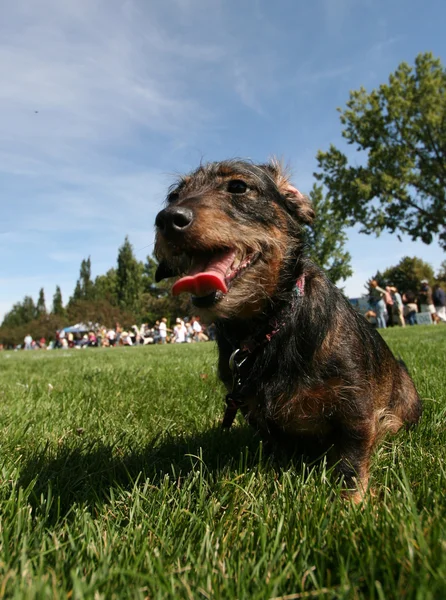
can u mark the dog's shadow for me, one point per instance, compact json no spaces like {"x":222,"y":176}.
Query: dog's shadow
{"x":86,"y":473}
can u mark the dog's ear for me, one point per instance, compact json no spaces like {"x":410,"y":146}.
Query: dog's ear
{"x":297,"y":203}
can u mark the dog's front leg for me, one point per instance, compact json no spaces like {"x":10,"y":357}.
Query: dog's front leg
{"x":352,"y":458}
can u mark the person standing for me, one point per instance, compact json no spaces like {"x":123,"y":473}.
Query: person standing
{"x":378,"y":298}
{"x":179,"y":332}
{"x":439,"y":299}
{"x":425,"y":296}
{"x":28,"y":342}
{"x":62,"y":339}
{"x":410,"y":308}
{"x":397,"y":306}
{"x":118,"y":330}
{"x":163,"y":330}
{"x":389,"y":306}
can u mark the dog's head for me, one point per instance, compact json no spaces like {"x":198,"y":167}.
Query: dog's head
{"x":228,"y":229}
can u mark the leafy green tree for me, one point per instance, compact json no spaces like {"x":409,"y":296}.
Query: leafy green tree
{"x":14,"y":317}
{"x":105,"y":287}
{"x":406,"y":275}
{"x":441,"y":275}
{"x":401,"y":128}
{"x":58,"y":308}
{"x":21,"y":313}
{"x":41,"y":306}
{"x":37,"y":328}
{"x":99,"y":311}
{"x":129,"y":283}
{"x":326,"y":238}
{"x":157,"y":300}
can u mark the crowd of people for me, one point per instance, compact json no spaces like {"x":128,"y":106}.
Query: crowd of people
{"x":183,"y":331}
{"x":391,"y":308}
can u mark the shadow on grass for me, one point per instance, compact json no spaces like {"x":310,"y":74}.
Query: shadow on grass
{"x":87,"y":472}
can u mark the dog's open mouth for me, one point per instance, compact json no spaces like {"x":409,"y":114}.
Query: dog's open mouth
{"x":211,"y":275}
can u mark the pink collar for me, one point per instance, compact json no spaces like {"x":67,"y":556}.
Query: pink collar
{"x":235,"y":398}
{"x":277,"y":324}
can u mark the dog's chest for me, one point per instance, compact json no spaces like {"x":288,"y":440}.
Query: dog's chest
{"x":307,"y":411}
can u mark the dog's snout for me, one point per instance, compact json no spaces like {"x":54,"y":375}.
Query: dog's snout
{"x":174,"y":220}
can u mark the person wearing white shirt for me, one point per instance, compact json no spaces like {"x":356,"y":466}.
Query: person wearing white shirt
{"x":179,"y":332}
{"x":163,"y":330}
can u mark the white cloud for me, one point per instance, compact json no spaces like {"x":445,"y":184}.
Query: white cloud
{"x":99,"y":99}
{"x":247,"y":89}
{"x":83,"y":81}
{"x":66,"y":257}
{"x":381,"y":49}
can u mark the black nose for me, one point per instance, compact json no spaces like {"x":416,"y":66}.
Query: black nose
{"x":174,"y":219}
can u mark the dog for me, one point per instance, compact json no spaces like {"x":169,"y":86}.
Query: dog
{"x":306,"y":370}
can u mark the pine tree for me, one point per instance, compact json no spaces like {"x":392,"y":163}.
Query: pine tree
{"x":129,"y":283}
{"x":87,"y":285}
{"x":326,"y":238}
{"x":77,"y":294}
{"x":58,"y":308}
{"x":84,"y":289}
{"x":149,"y":284}
{"x":41,"y":306}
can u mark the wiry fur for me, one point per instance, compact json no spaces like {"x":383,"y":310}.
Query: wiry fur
{"x":326,"y":381}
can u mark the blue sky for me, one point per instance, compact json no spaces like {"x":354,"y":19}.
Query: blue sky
{"x":103,"y":102}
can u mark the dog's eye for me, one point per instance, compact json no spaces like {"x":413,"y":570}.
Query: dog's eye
{"x":172,"y":197}
{"x":237,"y":186}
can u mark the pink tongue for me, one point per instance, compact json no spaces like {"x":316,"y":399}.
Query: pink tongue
{"x":206,"y":277}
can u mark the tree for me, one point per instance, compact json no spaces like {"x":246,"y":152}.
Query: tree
{"x":401,"y":128}
{"x":28,"y":309}
{"x":58,"y":308}
{"x":128,"y":279}
{"x":441,"y":275}
{"x":12,"y":335}
{"x":41,"y":306}
{"x":87,"y":285}
{"x":100,"y":312}
{"x":326,"y":238}
{"x":157,"y":299}
{"x":406,"y":275}
{"x":14,"y":317}
{"x":149,"y":284}
{"x":105,"y":287}
{"x":84,"y":289}
{"x":21,"y":313}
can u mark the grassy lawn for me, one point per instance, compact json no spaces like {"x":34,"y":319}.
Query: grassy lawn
{"x":116,"y":482}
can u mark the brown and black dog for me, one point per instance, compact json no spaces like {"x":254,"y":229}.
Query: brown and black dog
{"x":305,"y":369}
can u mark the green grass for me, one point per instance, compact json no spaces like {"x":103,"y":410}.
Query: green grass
{"x":116,"y":482}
